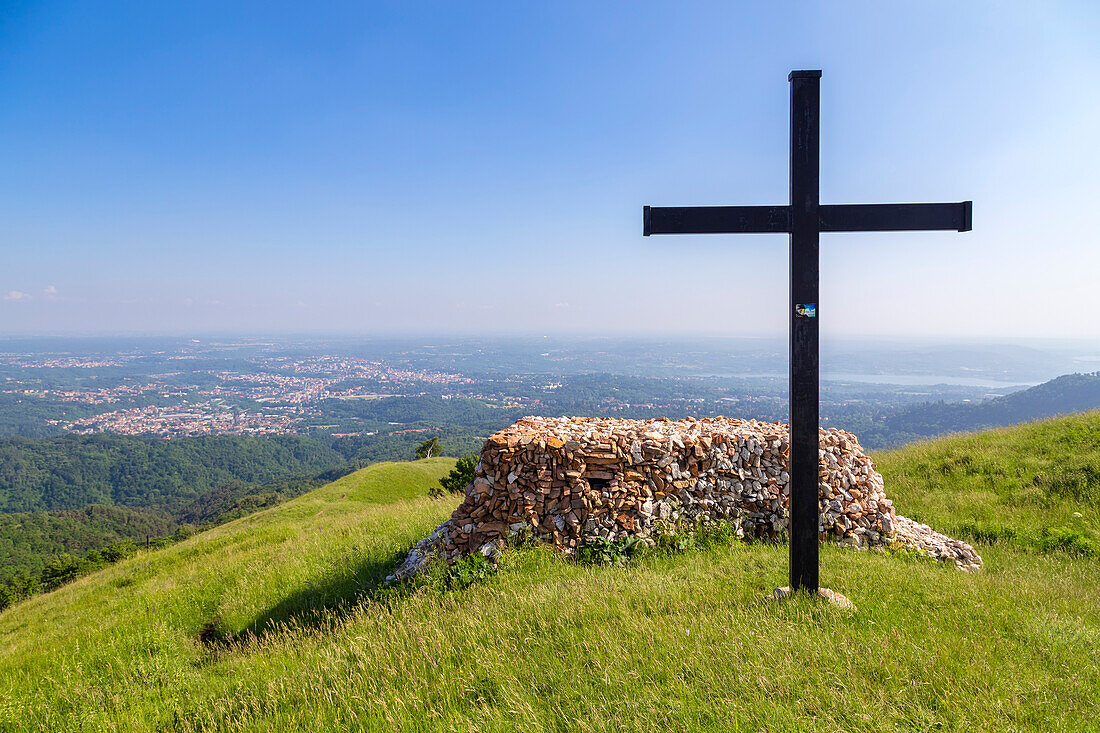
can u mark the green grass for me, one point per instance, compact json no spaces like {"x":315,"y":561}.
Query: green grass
{"x":278,"y":621}
{"x":1034,"y":486}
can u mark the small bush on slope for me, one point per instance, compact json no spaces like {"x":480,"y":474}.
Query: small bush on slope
{"x":460,"y":477}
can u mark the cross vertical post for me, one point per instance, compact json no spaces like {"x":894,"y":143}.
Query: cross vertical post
{"x":803,"y":314}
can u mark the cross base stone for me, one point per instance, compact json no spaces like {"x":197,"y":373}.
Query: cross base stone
{"x":830,"y":595}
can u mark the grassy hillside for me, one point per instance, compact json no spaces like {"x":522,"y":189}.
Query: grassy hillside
{"x":278,"y":621}
{"x":1034,"y":486}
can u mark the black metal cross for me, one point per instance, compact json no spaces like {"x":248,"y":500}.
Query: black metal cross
{"x":803,"y":219}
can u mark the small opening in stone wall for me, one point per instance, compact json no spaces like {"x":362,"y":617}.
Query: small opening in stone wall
{"x":599,"y":484}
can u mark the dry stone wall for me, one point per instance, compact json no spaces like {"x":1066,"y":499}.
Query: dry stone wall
{"x":573,"y":481}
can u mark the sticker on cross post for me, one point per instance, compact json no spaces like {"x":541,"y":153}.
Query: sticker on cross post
{"x":806,"y":310}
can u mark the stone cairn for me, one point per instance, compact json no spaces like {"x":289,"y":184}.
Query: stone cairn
{"x":574,"y":481}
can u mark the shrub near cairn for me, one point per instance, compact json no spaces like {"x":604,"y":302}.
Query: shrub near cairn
{"x":573,"y":482}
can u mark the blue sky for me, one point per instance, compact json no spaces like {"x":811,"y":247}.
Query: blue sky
{"x":474,"y":167}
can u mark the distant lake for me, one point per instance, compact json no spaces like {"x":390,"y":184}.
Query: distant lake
{"x":909,"y":380}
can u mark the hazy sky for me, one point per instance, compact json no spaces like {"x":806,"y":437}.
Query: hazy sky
{"x":368,"y":166}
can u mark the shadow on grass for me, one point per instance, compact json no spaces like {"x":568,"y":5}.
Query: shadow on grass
{"x":321,"y":605}
{"x":326,"y":603}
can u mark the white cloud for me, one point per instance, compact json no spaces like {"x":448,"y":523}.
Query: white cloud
{"x":50,"y":291}
{"x":561,"y":305}
{"x":17,"y":295}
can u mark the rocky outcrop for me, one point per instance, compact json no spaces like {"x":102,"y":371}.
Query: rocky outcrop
{"x":573,"y":481}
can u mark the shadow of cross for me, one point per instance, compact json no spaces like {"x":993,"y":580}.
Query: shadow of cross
{"x":803,"y":219}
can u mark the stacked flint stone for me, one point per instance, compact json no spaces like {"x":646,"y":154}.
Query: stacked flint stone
{"x":573,"y":481}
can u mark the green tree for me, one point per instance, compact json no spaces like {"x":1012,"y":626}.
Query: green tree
{"x":428,"y":448}
{"x":60,"y":569}
{"x":119,"y":550}
{"x":24,"y":585}
{"x":461,"y":476}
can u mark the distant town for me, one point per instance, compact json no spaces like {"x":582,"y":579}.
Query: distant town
{"x":343,"y":388}
{"x":283,"y":393}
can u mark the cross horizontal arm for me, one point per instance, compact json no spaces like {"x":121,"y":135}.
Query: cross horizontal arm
{"x":894,"y":217}
{"x":831,"y":218}
{"x":715,"y":219}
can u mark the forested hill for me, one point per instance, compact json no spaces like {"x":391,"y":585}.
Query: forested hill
{"x":28,"y":540}
{"x":1066,"y":394}
{"x":73,"y":471}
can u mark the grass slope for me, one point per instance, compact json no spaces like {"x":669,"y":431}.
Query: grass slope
{"x":1035,"y":485}
{"x":277,"y":621}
